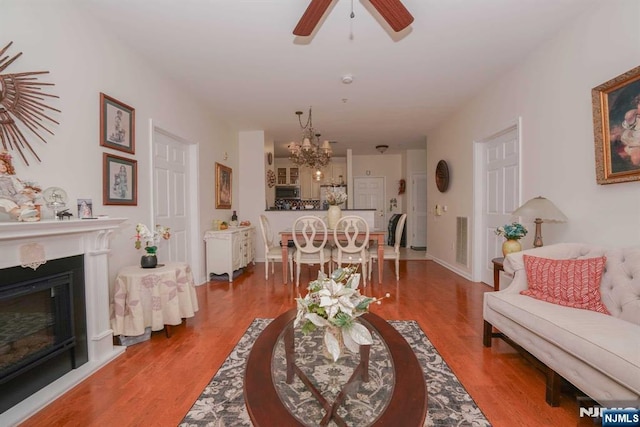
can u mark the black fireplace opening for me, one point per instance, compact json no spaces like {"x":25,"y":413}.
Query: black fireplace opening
{"x":43,"y":333}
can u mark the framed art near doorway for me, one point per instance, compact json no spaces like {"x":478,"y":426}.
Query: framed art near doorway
{"x":117,"y":125}
{"x":224,"y":187}
{"x":616,"y":126}
{"x":119,"y":185}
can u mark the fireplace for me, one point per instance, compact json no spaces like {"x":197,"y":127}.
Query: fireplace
{"x":54,"y":289}
{"x":42,"y":327}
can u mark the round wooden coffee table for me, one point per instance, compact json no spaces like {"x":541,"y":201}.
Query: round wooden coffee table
{"x":407,"y":403}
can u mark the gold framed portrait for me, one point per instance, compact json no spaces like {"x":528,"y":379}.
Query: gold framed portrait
{"x":224,"y":187}
{"x":616,"y":126}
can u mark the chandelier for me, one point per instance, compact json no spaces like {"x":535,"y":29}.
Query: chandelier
{"x":310,"y":153}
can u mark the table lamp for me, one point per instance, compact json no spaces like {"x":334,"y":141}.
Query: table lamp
{"x":541,"y":210}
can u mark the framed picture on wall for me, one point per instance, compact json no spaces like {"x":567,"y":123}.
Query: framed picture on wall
{"x":616,"y":126}
{"x":117,"y":125}
{"x":120,"y":185}
{"x":223,"y":186}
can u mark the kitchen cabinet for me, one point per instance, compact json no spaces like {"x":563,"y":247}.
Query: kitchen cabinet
{"x":309,"y":187}
{"x":228,"y":250}
{"x":338,"y":173}
{"x":286,"y":174}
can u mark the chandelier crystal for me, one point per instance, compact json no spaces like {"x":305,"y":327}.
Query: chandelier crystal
{"x":310,"y":153}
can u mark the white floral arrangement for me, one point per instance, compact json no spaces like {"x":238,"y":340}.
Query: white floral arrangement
{"x":335,"y":195}
{"x":334,"y":303}
{"x":150,"y":238}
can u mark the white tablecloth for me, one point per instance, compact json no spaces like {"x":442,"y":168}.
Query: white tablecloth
{"x":152,"y":297}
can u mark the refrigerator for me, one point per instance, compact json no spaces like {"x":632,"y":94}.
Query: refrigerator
{"x":323,"y":195}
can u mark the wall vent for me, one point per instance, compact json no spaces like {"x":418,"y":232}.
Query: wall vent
{"x":461,"y":240}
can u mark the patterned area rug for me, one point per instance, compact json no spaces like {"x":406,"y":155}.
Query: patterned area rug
{"x":222,"y":402}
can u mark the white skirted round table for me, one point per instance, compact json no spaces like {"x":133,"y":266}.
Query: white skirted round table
{"x":152,"y":297}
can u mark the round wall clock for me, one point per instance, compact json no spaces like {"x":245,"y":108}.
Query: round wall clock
{"x":270,"y":158}
{"x":442,"y":176}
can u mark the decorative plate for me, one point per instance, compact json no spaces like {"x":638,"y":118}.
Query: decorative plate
{"x":442,"y":176}
{"x":271,"y":178}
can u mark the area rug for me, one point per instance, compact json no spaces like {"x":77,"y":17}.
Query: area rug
{"x":222,"y":401}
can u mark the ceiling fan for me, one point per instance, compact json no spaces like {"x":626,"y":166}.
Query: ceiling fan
{"x":393,"y":11}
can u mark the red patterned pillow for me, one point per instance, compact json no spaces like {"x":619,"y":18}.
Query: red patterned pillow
{"x":569,"y":282}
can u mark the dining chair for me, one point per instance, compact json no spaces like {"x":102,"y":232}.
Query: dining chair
{"x":351,"y":240}
{"x":310,"y":238}
{"x":390,"y":252}
{"x":273,"y":251}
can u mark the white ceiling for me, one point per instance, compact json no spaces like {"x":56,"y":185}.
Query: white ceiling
{"x":241,"y":57}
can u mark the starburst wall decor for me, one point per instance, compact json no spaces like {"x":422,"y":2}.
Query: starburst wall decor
{"x":22,"y":100}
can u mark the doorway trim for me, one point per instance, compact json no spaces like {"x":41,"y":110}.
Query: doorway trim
{"x":194,"y":256}
{"x":418,"y":197}
{"x":479,"y":191}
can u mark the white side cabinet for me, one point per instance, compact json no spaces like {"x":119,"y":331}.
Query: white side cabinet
{"x":229,"y":250}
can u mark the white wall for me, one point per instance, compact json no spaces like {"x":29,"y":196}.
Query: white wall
{"x":551,"y":91}
{"x":84,"y":60}
{"x":253,"y":199}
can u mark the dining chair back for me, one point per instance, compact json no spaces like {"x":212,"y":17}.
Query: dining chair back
{"x":390,"y":252}
{"x":351,"y":240}
{"x":272,"y":251}
{"x":310,"y":239}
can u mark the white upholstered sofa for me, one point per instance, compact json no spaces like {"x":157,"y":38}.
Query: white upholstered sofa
{"x":597,"y":353}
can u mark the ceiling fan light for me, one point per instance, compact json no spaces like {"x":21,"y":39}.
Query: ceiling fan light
{"x":382,"y":148}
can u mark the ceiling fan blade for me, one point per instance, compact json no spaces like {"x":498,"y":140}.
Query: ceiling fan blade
{"x":394,"y":12}
{"x":311,"y":17}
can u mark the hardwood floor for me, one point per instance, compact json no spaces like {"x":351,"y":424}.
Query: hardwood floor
{"x":155,"y":382}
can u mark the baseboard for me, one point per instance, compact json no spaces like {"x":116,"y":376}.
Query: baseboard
{"x":453,"y":268}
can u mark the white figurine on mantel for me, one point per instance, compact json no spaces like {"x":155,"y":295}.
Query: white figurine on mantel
{"x":16,"y":197}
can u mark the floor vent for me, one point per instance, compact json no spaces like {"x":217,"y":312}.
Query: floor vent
{"x":461,"y":240}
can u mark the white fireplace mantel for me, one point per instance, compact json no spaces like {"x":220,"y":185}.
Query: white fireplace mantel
{"x":48,"y":240}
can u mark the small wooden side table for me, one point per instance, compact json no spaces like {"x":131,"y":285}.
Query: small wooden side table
{"x":498,"y":266}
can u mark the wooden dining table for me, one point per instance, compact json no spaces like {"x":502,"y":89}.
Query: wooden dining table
{"x":374,"y":236}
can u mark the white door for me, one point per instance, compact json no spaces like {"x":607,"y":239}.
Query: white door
{"x":368,"y":193}
{"x":171,"y":194}
{"x":419,"y":220}
{"x":500,"y":165}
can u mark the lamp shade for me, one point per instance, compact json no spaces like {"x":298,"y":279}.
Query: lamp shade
{"x":540,"y":208}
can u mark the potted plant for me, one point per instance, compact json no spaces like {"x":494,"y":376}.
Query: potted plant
{"x":151,"y":240}
{"x":334,"y":303}
{"x":513,"y":233}
{"x":335,"y":197}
